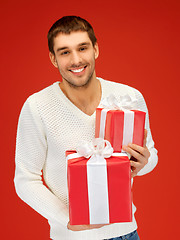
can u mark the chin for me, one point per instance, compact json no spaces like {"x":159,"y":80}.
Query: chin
{"x":83,"y":84}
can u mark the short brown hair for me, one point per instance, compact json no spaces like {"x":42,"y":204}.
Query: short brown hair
{"x":68,"y":24}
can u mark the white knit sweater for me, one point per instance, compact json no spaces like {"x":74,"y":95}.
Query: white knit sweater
{"x":50,"y":124}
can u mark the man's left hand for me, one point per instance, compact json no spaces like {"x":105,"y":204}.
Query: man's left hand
{"x":139,"y":155}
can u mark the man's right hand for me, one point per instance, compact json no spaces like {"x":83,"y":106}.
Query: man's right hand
{"x":84,"y":227}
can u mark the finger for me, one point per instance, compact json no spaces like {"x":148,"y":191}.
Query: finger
{"x":134,"y":152}
{"x":136,"y":147}
{"x":145,"y":138}
{"x":134,"y":168}
{"x":131,"y":152}
{"x":134,"y":164}
{"x":142,"y":150}
{"x":92,"y":226}
{"x":133,"y":174}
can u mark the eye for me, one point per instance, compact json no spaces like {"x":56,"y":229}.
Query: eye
{"x":82,"y":49}
{"x":65,"y":53}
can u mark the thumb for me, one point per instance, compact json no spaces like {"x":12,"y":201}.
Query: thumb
{"x":145,"y":137}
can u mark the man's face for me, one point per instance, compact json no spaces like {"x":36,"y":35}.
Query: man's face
{"x":75,"y":58}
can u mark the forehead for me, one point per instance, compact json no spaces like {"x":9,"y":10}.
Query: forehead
{"x":70,"y":40}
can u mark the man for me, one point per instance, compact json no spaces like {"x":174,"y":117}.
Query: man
{"x":57,"y":118}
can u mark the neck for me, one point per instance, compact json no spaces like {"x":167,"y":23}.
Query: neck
{"x":86,"y":98}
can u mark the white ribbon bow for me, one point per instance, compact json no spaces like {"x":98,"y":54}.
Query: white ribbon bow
{"x":126,"y":102}
{"x":98,"y":147}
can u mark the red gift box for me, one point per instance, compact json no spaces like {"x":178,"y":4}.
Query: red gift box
{"x":90,"y":200}
{"x":120,"y":127}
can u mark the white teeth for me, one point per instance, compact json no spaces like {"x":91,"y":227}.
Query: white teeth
{"x":77,"y":70}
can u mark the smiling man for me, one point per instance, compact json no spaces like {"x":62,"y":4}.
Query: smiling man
{"x":57,"y":118}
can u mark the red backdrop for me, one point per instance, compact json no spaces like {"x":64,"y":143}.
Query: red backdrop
{"x":139,"y":46}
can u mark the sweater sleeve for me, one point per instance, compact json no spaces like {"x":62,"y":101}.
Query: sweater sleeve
{"x":153,"y":159}
{"x":31,"y":149}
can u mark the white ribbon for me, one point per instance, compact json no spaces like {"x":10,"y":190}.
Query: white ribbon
{"x":97,"y":178}
{"x":97,"y":150}
{"x":126,"y":104}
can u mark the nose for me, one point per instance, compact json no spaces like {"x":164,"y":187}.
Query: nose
{"x":76,"y":58}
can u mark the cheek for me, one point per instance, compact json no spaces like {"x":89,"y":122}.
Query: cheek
{"x":61,"y":64}
{"x":91,"y":58}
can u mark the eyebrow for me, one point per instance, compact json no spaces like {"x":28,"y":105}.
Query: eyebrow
{"x":60,"y":49}
{"x":79,"y":45}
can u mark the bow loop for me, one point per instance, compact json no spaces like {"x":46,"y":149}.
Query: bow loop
{"x":126,"y":102}
{"x":98,"y":146}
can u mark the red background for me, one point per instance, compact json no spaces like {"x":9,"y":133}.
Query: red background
{"x":139,"y":46}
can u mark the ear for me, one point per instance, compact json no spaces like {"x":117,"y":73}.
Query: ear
{"x":53,"y":59}
{"x":96,"y":50}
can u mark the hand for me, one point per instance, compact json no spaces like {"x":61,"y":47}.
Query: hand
{"x":139,"y":155}
{"x":83,"y":227}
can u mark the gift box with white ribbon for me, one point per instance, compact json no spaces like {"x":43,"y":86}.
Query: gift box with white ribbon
{"x":99,"y":184}
{"x":119,"y":123}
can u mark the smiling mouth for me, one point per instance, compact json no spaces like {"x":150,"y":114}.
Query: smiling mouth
{"x":77,"y":70}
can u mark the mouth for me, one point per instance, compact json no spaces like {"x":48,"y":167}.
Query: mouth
{"x":78,"y":70}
